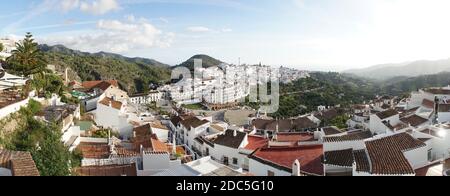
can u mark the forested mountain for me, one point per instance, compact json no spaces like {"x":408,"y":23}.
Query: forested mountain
{"x":133,"y":74}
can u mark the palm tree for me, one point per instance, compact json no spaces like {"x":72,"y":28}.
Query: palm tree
{"x":27,"y":58}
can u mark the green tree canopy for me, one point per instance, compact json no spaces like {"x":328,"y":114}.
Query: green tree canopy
{"x":27,"y":59}
{"x":43,"y":140}
{"x":1,"y":47}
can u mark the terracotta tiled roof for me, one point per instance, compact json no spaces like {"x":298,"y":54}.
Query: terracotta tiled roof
{"x":157,"y":145}
{"x":428,"y":104}
{"x":175,"y":120}
{"x":92,"y":84}
{"x":261,"y":124}
{"x":444,"y":107}
{"x":94,"y":150}
{"x":303,"y":123}
{"x":102,"y":85}
{"x":331,"y":130}
{"x":414,"y":120}
{"x":110,"y":170}
{"x":294,"y":137}
{"x":386,"y":114}
{"x":409,"y":112}
{"x":361,"y":160}
{"x":228,"y":139}
{"x":142,"y":131}
{"x":179,"y":149}
{"x":437,"y":91}
{"x":327,"y":114}
{"x":159,"y":125}
{"x":282,"y":158}
{"x":284,"y":125}
{"x":20,"y":163}
{"x":193,"y":122}
{"x":115,"y":104}
{"x":386,"y":154}
{"x":343,"y":158}
{"x":255,"y":142}
{"x":354,"y":136}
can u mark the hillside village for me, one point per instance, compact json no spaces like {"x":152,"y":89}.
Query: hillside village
{"x":180,"y":130}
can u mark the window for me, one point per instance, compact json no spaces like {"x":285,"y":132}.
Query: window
{"x":430,"y":155}
{"x":225,"y":161}
{"x":235,"y":161}
{"x":270,"y":173}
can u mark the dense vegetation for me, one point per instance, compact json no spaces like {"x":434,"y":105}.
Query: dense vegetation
{"x":27,"y":133}
{"x":43,"y":140}
{"x":328,"y":89}
{"x":133,"y":74}
{"x":104,"y":133}
{"x":401,"y":85}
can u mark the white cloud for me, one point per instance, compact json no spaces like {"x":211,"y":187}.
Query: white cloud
{"x":67,"y":5}
{"x":202,"y":29}
{"x":198,"y":29}
{"x":95,"y":7}
{"x":115,"y":36}
{"x":99,"y":7}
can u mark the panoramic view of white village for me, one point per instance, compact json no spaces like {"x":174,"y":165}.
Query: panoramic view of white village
{"x":94,"y":104}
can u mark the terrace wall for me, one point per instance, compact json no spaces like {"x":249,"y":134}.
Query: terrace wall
{"x":13,"y":108}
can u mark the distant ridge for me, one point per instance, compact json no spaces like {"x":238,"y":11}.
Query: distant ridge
{"x":410,"y":69}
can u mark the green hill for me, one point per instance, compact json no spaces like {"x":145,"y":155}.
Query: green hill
{"x":206,"y":60}
{"x":133,"y":74}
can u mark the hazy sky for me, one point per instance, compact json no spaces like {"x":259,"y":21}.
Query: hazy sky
{"x":306,"y":34}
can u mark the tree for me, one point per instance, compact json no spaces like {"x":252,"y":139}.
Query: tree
{"x":27,"y":59}
{"x":51,"y":156}
{"x":1,"y":47}
{"x":340,"y":122}
{"x":43,"y":140}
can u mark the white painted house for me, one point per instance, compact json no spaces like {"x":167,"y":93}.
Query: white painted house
{"x":380,"y":122}
{"x":112,"y":114}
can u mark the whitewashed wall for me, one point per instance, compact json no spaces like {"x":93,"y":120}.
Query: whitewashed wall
{"x":417,"y":158}
{"x":335,"y":146}
{"x":258,"y":169}
{"x":13,"y":108}
{"x":109,"y":117}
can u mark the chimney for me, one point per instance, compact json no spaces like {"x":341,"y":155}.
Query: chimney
{"x":174,"y":144}
{"x":109,"y":137}
{"x":234,"y":133}
{"x":296,"y":168}
{"x":134,"y":134}
{"x":110,"y":103}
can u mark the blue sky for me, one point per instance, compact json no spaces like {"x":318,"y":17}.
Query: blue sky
{"x":306,"y":34}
